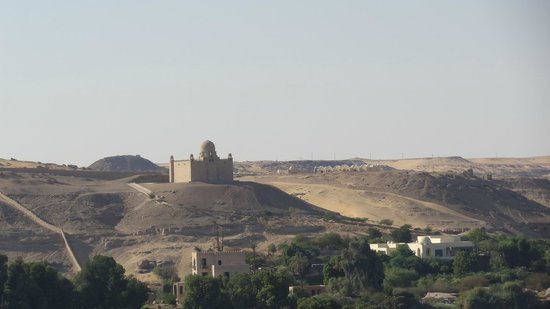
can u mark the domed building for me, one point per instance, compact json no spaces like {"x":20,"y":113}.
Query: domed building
{"x":207,"y":168}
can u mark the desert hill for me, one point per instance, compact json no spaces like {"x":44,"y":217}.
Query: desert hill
{"x":103,"y":214}
{"x":248,"y":168}
{"x":126,"y":163}
{"x":440,"y":200}
{"x":17,"y":164}
{"x":499,"y":167}
{"x":110,"y":217}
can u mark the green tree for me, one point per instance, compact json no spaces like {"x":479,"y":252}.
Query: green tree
{"x":318,"y":302}
{"x":203,"y":292}
{"x":402,"y":234}
{"x":403,"y":257}
{"x":240,"y":291}
{"x":271,"y":249}
{"x":406,"y":300}
{"x":3,"y":275}
{"x":464,"y":262}
{"x":272,"y":288}
{"x":362,"y":266}
{"x":102,"y":284}
{"x":476,"y":235}
{"x":508,"y":295}
{"x":36,"y":285}
{"x":399,"y":277}
{"x":373,"y":233}
{"x":168,"y":275}
{"x":299,"y":265}
{"x":19,"y":291}
{"x":333,"y":269}
{"x":331,"y":241}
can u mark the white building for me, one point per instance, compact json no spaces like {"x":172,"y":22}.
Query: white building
{"x":444,"y":247}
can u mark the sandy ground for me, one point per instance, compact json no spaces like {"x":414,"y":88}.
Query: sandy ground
{"x":375,"y":205}
{"x":111,"y":218}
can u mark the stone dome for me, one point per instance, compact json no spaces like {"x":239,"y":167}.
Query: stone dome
{"x":207,"y":146}
{"x":208,"y":151}
{"x":425,"y":240}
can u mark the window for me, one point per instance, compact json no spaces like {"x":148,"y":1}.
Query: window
{"x":204,"y":274}
{"x":226,"y":274}
{"x":438,"y":252}
{"x":427,"y":251}
{"x":181,"y":289}
{"x":219,"y":262}
{"x":203,"y":263}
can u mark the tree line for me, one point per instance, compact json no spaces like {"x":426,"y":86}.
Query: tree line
{"x":501,"y":271}
{"x":101,"y":284}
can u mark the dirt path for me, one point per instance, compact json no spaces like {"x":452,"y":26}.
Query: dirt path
{"x":33,"y":217}
{"x":140,"y":188}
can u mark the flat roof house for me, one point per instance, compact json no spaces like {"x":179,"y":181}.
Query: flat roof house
{"x":441,"y":246}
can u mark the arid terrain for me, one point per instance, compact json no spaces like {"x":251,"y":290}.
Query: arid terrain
{"x":101,"y":213}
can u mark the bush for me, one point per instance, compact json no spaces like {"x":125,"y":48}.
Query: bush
{"x":329,"y":216}
{"x":402,"y":234}
{"x":537,"y":281}
{"x":473,"y":281}
{"x":341,"y":286}
{"x":373,"y":233}
{"x":318,"y":302}
{"x":386,"y":222}
{"x":166,"y":271}
{"x":399,"y":277}
{"x":332,"y":241}
{"x":508,"y":295}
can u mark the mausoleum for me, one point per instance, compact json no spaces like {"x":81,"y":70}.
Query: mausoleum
{"x":207,"y":168}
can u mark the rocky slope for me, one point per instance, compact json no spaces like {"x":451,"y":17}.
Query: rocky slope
{"x":126,"y":163}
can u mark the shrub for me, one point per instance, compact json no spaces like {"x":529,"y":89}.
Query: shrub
{"x":399,"y":277}
{"x":402,"y":234}
{"x":386,"y":222}
{"x":318,"y":302}
{"x":537,"y":281}
{"x":470,"y":282}
{"x":332,"y":241}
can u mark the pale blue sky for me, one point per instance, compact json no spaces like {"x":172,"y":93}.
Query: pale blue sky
{"x":80,"y":80}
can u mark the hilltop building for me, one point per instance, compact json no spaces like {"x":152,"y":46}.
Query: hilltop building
{"x":207,"y":168}
{"x":443,"y":247}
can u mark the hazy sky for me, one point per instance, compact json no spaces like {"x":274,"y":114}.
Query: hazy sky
{"x":81,"y":80}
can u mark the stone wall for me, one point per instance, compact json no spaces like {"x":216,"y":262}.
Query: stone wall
{"x":218,"y":171}
{"x":181,"y":171}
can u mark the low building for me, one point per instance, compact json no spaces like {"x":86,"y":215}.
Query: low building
{"x":311,"y":290}
{"x":178,"y":291}
{"x":444,"y":247}
{"x":214,"y":264}
{"x":218,"y":263}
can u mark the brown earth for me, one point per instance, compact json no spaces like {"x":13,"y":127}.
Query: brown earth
{"x":102,"y":214}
